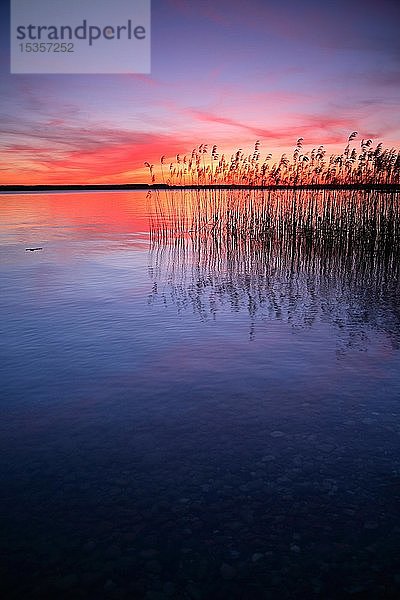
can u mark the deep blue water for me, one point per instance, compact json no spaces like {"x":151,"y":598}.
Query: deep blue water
{"x":190,"y":418}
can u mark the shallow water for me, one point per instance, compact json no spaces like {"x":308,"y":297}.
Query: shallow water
{"x":194,"y":415}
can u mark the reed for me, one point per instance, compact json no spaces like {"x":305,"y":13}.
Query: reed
{"x":371,"y":215}
{"x":290,"y":255}
{"x":363,"y":165}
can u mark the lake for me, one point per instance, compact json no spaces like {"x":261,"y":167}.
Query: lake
{"x":200,"y":395}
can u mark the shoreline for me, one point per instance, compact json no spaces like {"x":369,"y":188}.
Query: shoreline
{"x":385,"y":187}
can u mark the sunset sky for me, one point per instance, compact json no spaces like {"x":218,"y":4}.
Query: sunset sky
{"x":223,"y":72}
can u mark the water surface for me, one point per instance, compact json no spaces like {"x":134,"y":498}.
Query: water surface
{"x":191,"y":410}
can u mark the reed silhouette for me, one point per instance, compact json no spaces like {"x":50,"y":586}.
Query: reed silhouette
{"x":366,"y":165}
{"x":292,"y":255}
{"x":343,"y":215}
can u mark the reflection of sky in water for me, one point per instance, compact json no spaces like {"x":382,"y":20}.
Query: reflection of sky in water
{"x":99,"y":303}
{"x":179,"y":365}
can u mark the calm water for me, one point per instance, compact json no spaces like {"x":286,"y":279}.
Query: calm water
{"x":196,"y":416}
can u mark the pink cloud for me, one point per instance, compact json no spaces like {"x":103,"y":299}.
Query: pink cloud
{"x":71,"y":155}
{"x":313,"y":128}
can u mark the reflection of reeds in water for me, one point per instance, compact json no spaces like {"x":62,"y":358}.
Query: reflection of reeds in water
{"x":294,"y":256}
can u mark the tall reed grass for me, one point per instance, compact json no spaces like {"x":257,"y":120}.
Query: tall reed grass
{"x":281,"y":254}
{"x":373,"y":216}
{"x":364,"y":165}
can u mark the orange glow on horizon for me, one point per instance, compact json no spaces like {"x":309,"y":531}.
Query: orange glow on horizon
{"x":184,"y":163}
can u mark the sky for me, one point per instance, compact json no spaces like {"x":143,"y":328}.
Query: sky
{"x":223,"y":72}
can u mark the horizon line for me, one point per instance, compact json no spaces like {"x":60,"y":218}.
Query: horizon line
{"x":163,"y":186}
